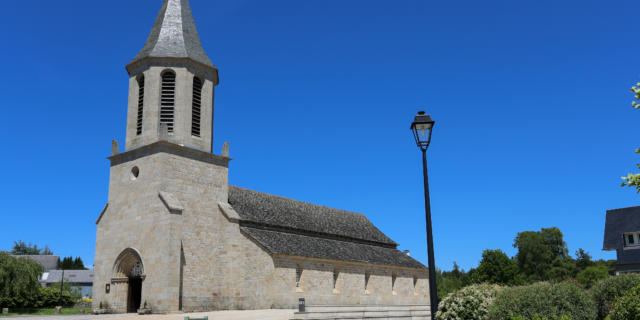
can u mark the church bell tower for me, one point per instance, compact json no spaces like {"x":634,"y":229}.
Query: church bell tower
{"x":167,"y":181}
{"x":171,"y":86}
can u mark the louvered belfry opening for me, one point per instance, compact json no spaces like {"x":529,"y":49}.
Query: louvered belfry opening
{"x":168,"y":99}
{"x":140,"y":104}
{"x":196,"y":107}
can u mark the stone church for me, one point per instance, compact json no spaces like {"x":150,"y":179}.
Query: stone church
{"x":176,"y":235}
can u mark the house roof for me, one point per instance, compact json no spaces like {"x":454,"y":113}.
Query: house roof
{"x":174,"y":35}
{"x":48,"y":262}
{"x":290,"y":227}
{"x":72,"y":276}
{"x":619,"y":221}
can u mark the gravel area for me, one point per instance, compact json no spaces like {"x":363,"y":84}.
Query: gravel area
{"x":217,"y":315}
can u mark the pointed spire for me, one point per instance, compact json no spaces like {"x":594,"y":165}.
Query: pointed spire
{"x":174,"y":35}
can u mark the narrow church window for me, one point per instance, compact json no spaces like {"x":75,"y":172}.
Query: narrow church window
{"x":394,"y":276}
{"x":367,"y":275}
{"x":167,"y":101}
{"x":336,"y":273}
{"x":140,"y":104}
{"x":415,"y":282}
{"x":298,"y":275}
{"x":196,"y":104}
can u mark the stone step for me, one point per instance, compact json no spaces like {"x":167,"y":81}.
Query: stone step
{"x":380,"y":314}
{"x":323,"y":308}
{"x":310,"y":317}
{"x":358,"y":312}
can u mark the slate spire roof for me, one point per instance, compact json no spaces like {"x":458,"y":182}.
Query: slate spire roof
{"x":174,"y":35}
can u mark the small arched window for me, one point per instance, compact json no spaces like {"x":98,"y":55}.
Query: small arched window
{"x":140,"y":104}
{"x":168,"y":99}
{"x":196,"y":107}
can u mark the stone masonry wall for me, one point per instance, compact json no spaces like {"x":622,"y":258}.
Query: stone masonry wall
{"x":182,"y":108}
{"x":136,"y":218}
{"x":317,"y":284}
{"x":198,"y":259}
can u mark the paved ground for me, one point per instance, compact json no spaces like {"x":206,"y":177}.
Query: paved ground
{"x":218,"y":315}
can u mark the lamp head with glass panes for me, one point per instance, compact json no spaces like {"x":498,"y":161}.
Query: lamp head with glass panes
{"x":421,"y":127}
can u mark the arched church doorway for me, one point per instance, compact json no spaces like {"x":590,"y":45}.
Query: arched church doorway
{"x":129,"y":271}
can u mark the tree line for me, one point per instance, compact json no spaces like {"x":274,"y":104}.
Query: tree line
{"x":542,"y":256}
{"x":21,"y":248}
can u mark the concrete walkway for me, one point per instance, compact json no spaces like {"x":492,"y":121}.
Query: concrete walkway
{"x":217,"y":315}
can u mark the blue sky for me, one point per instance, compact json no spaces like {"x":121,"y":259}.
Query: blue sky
{"x":531,"y":100}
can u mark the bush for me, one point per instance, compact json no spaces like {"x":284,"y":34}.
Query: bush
{"x":606,"y":291}
{"x":470,"y":302}
{"x":543,"y":300}
{"x":50,"y":297}
{"x":537,"y":317}
{"x":590,"y":275}
{"x":627,"y":306}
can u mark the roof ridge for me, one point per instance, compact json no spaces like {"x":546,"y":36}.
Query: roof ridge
{"x":300,"y":201}
{"x":309,"y":233}
{"x":624,"y":208}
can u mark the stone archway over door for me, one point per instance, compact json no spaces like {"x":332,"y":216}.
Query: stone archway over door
{"x":128,"y":276}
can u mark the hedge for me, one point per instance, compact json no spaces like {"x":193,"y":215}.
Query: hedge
{"x":543,"y":300}
{"x":606,"y":291}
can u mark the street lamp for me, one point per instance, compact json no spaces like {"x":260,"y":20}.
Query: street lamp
{"x":422,"y":126}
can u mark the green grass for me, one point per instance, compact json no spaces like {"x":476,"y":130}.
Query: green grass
{"x":46,"y":311}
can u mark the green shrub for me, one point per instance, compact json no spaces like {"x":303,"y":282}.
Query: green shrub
{"x":627,"y":306}
{"x":590,"y":275}
{"x":470,"y":302}
{"x":50,"y":297}
{"x":606,"y":291}
{"x":543,"y":300}
{"x":537,"y":317}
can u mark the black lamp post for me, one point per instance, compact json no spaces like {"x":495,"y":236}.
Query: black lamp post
{"x":61,"y":286}
{"x":422,"y":126}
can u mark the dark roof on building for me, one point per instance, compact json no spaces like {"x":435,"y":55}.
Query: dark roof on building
{"x":290,"y":227}
{"x":292,"y":244}
{"x":72,"y":276}
{"x":48,"y":262}
{"x":174,"y":35}
{"x":620,"y":221}
{"x":266,"y":209}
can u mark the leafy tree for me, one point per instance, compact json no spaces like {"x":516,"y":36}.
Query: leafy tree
{"x":46,"y":251}
{"x":496,"y":267}
{"x":451,"y":281}
{"x":562,"y":268}
{"x":19,"y":286}
{"x":583,"y":259}
{"x":69,"y":263}
{"x":633,"y":179}
{"x":538,"y":251}
{"x":590,"y":275}
{"x":610,"y":264}
{"x":21,"y":248}
{"x":78,"y":264}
